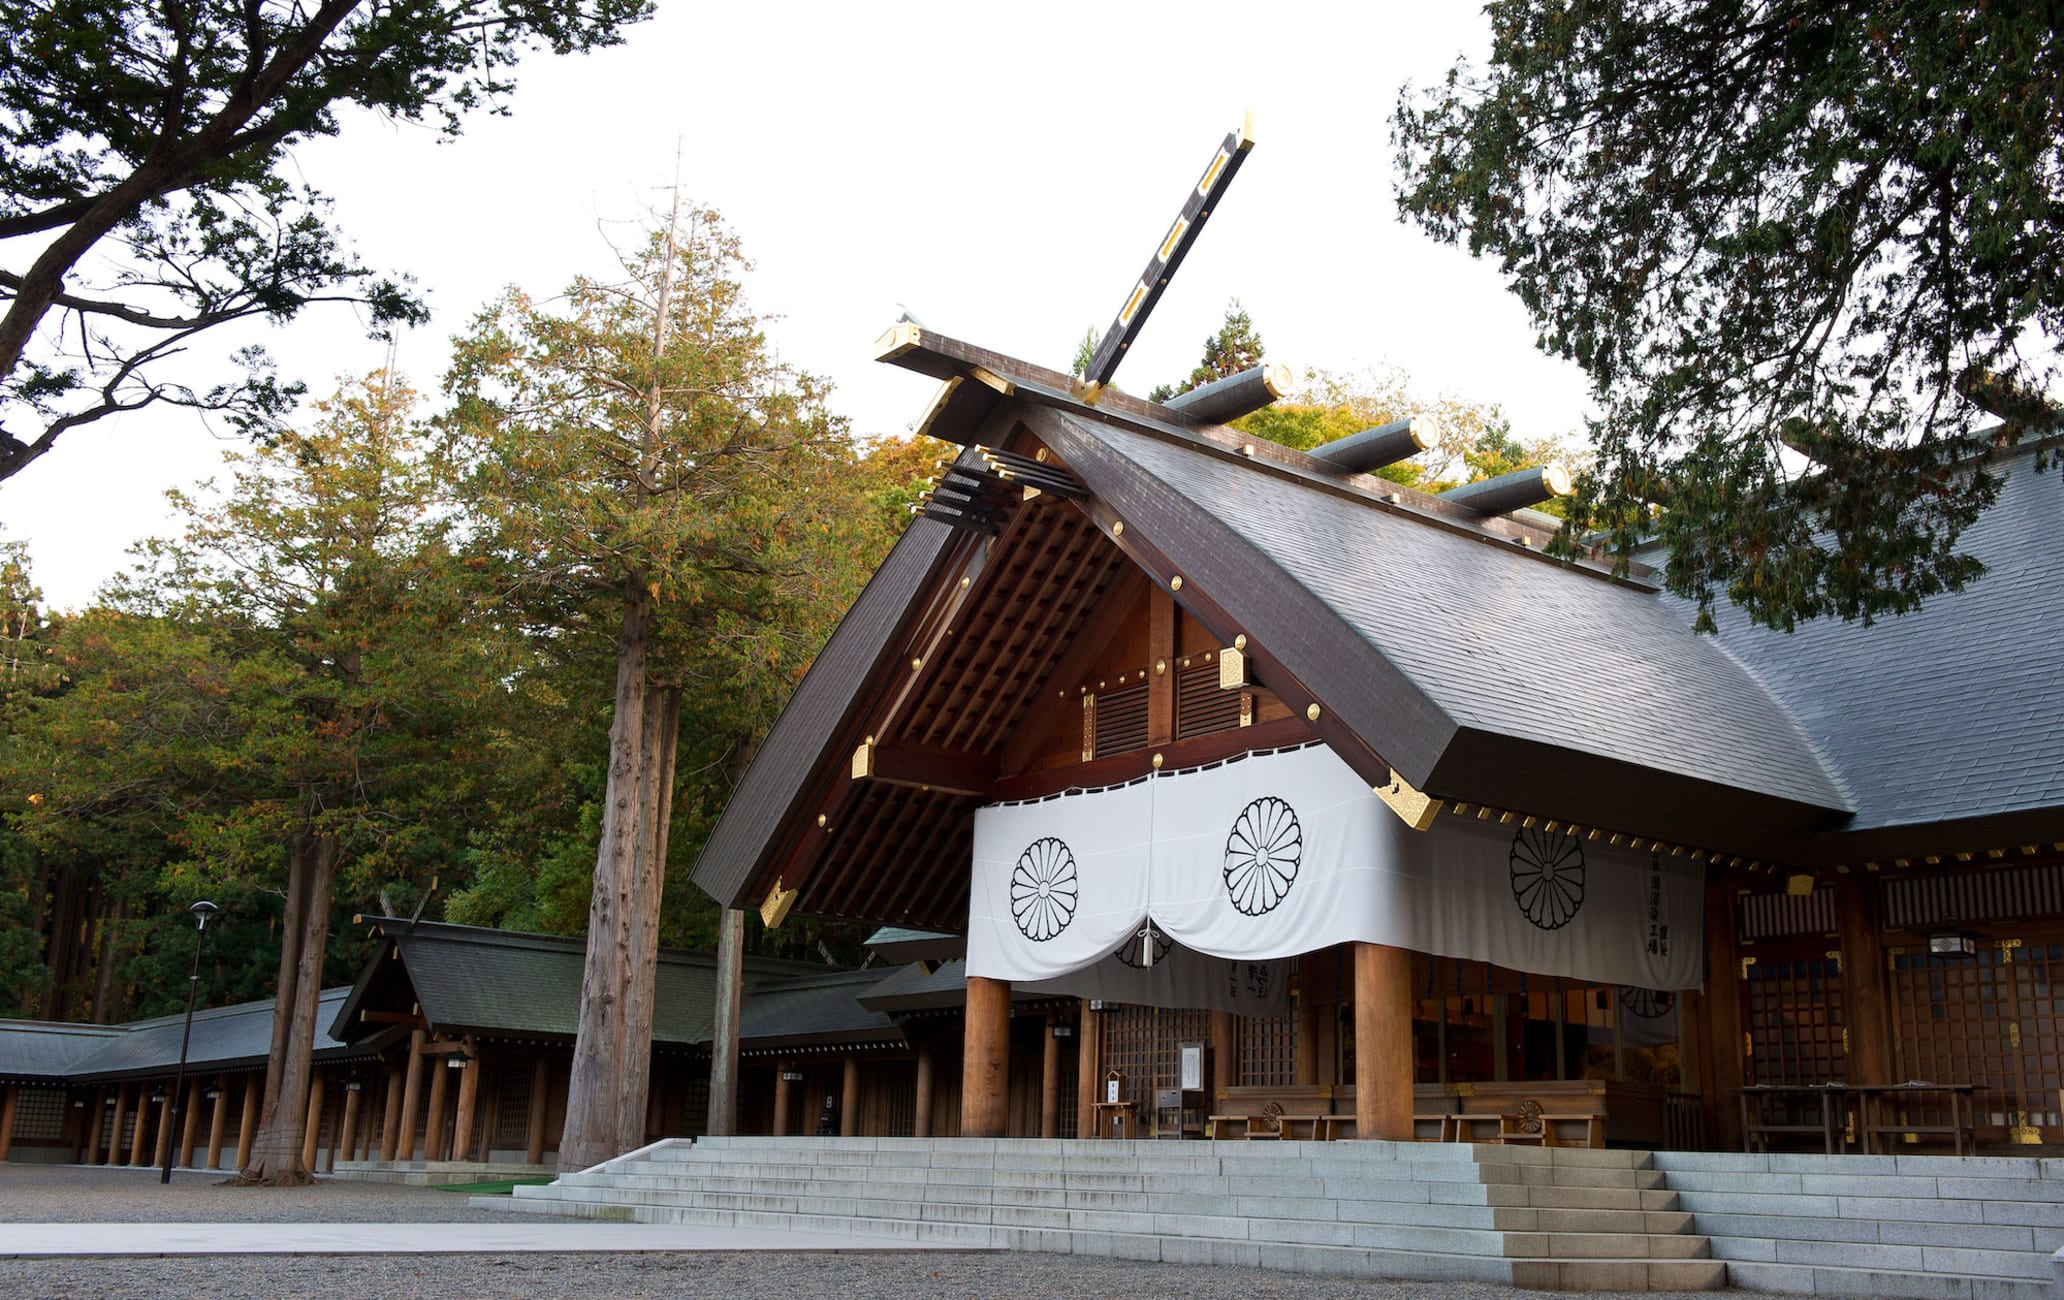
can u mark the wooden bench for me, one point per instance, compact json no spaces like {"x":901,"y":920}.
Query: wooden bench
{"x":1269,"y":1126}
{"x":1531,"y":1125}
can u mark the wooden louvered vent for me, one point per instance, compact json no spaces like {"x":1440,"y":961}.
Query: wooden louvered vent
{"x":1115,"y":722}
{"x":1201,"y":708}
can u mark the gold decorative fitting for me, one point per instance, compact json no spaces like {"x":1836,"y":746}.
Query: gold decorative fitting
{"x":1240,"y":641}
{"x":1311,"y":713}
{"x":1799,"y":886}
{"x":991,"y":379}
{"x":774,"y":910}
{"x":964,"y":584}
{"x":821,"y":819}
{"x":1157,"y":762}
{"x":1527,"y":822}
{"x":916,"y":664}
{"x":1039,"y":455}
{"x":2027,"y":1135}
{"x":1413,"y":808}
{"x":1160,"y":667}
{"x":1175,"y":583}
{"x":1118,"y":528}
{"x":1232,"y":670}
{"x":1246,"y":449}
{"x":863,"y":763}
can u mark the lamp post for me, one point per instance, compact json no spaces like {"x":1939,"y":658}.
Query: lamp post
{"x":202,"y":913}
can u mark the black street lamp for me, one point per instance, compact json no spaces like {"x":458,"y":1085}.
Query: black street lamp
{"x":202,"y":912}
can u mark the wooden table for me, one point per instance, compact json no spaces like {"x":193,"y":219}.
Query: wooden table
{"x":1116,"y":1119}
{"x":1829,"y":1128}
{"x":1873,"y":1096}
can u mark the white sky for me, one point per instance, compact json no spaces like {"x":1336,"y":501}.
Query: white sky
{"x":1004,"y":171}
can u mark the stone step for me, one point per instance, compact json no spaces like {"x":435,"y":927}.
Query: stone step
{"x":1620,"y":1274}
{"x":1580,"y":1198}
{"x":1605,"y":1245}
{"x":1825,"y":1280}
{"x":1526,"y":1219}
{"x":1570,"y":1176}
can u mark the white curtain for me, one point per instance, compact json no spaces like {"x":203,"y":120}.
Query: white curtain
{"x":1262,"y":858}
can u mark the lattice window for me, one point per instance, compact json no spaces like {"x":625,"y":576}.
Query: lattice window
{"x":1795,"y":1021}
{"x":1994,"y":1019}
{"x":39,"y":1114}
{"x":1268,"y":1051}
{"x":1201,"y":708}
{"x":1769,"y":916}
{"x":1144,"y":1043}
{"x":1115,"y":722}
{"x":512,"y":1107}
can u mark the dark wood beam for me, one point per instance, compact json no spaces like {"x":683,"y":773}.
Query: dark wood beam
{"x":927,"y":767}
{"x":1120,"y":599}
{"x":1133,"y":764}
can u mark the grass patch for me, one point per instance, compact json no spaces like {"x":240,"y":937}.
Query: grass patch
{"x":496,"y":1187}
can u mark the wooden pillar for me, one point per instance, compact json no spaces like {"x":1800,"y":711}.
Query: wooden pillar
{"x":469,"y":1095}
{"x":348,"y":1141}
{"x":94,"y":1121}
{"x":849,"y":1099}
{"x":434,"y":1145}
{"x":218,"y":1122}
{"x":114,"y":1146}
{"x":1305,"y":1044}
{"x":781,"y":1099}
{"x":921,"y":1124}
{"x":190,"y":1129}
{"x":161,"y":1146}
{"x":1723,"y":1013}
{"x":985,"y":1059}
{"x":247,"y":1124}
{"x":1383,"y":1042}
{"x":1867,"y":1011}
{"x":1050,"y":1081}
{"x":138,"y":1152}
{"x":313,"y":1136}
{"x":1161,"y":649}
{"x":1225,"y":1056}
{"x":723,"y":1080}
{"x":390,"y":1113}
{"x":411,"y":1098}
{"x":1089,"y":1068}
{"x":534,"y":1127}
{"x":7,"y":1105}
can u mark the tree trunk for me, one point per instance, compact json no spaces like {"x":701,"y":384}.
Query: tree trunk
{"x":283,"y":1124}
{"x":594,"y":1088}
{"x":656,"y":805}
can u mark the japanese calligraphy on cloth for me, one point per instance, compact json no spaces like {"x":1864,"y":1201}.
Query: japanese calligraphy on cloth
{"x":1265,"y":857}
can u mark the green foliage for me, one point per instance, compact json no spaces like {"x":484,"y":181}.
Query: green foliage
{"x":145,"y":153}
{"x":1234,"y":349}
{"x":1767,"y":229}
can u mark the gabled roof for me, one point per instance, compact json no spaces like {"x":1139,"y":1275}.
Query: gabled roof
{"x":1953,"y":713}
{"x":1432,"y":643}
{"x":46,"y":1050}
{"x":224,"y":1038}
{"x":503,"y":983}
{"x":783,"y":1013}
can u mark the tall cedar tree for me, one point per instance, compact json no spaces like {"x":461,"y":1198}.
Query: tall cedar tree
{"x":147,"y":193}
{"x":1235,"y":349}
{"x":298,"y":666}
{"x":644,"y":467}
{"x":1802,"y":250}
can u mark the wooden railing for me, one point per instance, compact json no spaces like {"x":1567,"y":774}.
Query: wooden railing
{"x":1684,"y":1122}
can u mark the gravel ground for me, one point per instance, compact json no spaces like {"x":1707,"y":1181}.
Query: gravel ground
{"x":33,"y":1194}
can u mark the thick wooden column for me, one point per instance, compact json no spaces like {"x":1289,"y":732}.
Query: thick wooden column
{"x":1723,"y":1014}
{"x":1305,"y":1043}
{"x":1868,"y":1009}
{"x":390,"y":1111}
{"x":1089,"y":1068}
{"x":190,"y":1128}
{"x":161,"y":1149}
{"x":849,"y":1099}
{"x":434,"y":1144}
{"x":411,"y":1098}
{"x":348,"y":1140}
{"x":7,"y":1105}
{"x":534,"y":1127}
{"x":311,"y":1140}
{"x":1383,"y":1042}
{"x":247,"y":1124}
{"x":139,"y":1150}
{"x":1050,"y":1081}
{"x":921,"y":1125}
{"x":1225,"y":1056}
{"x":780,"y":1099}
{"x":469,"y":1097}
{"x":94,"y":1121}
{"x":114,"y":1146}
{"x":985,"y":1059}
{"x":218,"y":1122}
{"x":723,"y":1080}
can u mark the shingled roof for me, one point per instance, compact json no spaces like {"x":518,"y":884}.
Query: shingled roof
{"x":1438,"y":645}
{"x":507,"y":984}
{"x":823,"y":1008}
{"x":34,"y":1051}
{"x":224,"y":1038}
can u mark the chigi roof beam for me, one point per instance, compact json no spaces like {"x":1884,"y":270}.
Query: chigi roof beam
{"x":1234,"y":396}
{"x":1175,"y":245}
{"x":1386,"y":444}
{"x":1515,"y":491}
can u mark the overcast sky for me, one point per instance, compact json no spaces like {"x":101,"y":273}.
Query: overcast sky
{"x":1005,"y":171}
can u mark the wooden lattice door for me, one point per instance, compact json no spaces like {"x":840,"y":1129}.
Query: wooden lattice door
{"x":1793,"y":1011}
{"x":1991,"y":1018}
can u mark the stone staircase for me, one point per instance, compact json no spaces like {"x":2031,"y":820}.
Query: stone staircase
{"x":1555,"y":1219}
{"x":1977,"y":1228}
